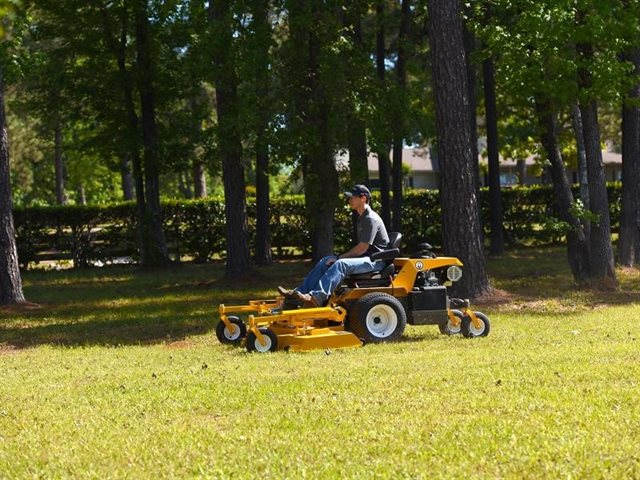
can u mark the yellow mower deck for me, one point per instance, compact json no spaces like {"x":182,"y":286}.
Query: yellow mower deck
{"x":302,"y":329}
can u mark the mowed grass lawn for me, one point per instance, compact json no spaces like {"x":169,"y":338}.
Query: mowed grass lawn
{"x":119,"y":375}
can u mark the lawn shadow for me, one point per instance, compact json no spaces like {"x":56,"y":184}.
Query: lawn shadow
{"x":129,"y":307}
{"x":113,"y":332}
{"x":132,"y":307}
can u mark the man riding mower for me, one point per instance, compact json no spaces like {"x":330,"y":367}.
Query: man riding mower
{"x":365,"y":307}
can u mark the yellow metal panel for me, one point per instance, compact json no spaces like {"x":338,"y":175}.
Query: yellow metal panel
{"x":477,"y":323}
{"x":411,"y":266}
{"x":257,"y":306}
{"x":454,"y":320}
{"x":314,"y":342}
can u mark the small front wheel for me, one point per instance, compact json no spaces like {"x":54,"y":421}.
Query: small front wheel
{"x":270,"y":345}
{"x":234,"y":335}
{"x":449,"y":328}
{"x":469,"y":330}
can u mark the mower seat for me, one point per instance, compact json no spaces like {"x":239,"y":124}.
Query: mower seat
{"x":379,"y":278}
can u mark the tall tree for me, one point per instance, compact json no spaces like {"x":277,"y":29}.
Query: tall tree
{"x":401,"y":114}
{"x":312,"y":28}
{"x":629,"y":241}
{"x":583,"y":179}
{"x":602,"y":268}
{"x":157,"y":255}
{"x":357,"y":61}
{"x":495,"y":196}
{"x":229,"y":138}
{"x":10,"y":279}
{"x":469,"y":49}
{"x":461,"y":226}
{"x":116,"y":43}
{"x":577,"y":244}
{"x":262,"y":82}
{"x":382,"y":143}
{"x":547,"y":68}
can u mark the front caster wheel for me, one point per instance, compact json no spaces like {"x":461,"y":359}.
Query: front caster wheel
{"x":470,"y":331}
{"x":270,"y":338}
{"x":233,"y":335}
{"x":449,"y":328}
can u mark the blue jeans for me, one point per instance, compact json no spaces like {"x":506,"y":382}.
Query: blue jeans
{"x":322,"y":280}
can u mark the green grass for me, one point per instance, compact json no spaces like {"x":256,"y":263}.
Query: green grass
{"x":119,"y":375}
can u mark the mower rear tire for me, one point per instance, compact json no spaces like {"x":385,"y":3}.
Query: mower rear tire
{"x":378,"y":317}
{"x":449,"y":328}
{"x":468,"y":330}
{"x":254,"y":345}
{"x":236,"y":336}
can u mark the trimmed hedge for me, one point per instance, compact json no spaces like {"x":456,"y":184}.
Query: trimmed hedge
{"x":196,"y":228}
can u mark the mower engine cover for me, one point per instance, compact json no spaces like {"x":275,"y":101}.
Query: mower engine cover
{"x":428,"y":306}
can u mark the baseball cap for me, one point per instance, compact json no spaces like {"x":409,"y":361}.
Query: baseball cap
{"x":358,"y":190}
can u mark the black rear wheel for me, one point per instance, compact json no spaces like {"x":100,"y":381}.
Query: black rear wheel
{"x":378,"y":317}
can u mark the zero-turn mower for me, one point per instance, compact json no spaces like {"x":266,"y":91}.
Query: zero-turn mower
{"x":371,"y":307}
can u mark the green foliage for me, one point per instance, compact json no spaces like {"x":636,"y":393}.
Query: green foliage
{"x":195,"y":229}
{"x":579,"y":211}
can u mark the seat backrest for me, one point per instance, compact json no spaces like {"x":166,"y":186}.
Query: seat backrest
{"x":394,"y":240}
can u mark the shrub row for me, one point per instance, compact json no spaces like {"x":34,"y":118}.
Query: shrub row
{"x":195,"y":229}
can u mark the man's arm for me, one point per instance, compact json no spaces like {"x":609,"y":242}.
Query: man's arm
{"x":357,"y":251}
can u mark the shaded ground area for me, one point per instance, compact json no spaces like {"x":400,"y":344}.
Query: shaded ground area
{"x":539,"y":281}
{"x":122,"y":305}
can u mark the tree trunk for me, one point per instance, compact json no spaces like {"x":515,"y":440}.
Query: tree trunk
{"x":384,"y":164}
{"x":157,"y":255}
{"x":321,"y":180}
{"x":399,"y":123}
{"x":469,"y":48}
{"x":358,"y":165}
{"x":126,"y":179}
{"x":61,"y":198}
{"x":10,"y":280}
{"x":131,"y":140}
{"x":521,"y":167}
{"x":263,"y":232}
{"x":577,"y":244}
{"x":602,"y":265}
{"x":184,"y":187}
{"x":199,"y":179}
{"x":229,"y":139}
{"x":396,"y":182}
{"x":263,"y":85}
{"x":460,"y":211}
{"x":583,"y":180}
{"x":384,"y":170}
{"x":495,"y":197}
{"x":602,"y":269}
{"x":629,"y":241}
{"x":82,"y":195}
{"x":356,"y":129}
{"x":312,"y":110}
{"x":118,"y":49}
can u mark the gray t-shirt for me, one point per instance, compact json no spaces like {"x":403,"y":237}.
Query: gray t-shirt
{"x":371,"y":230}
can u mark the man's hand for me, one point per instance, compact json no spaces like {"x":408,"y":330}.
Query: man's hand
{"x":331,"y":261}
